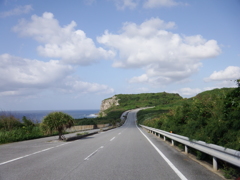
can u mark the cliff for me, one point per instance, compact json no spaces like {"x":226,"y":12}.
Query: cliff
{"x":108,"y":103}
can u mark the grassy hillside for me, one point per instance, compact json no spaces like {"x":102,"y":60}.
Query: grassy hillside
{"x":133,"y":101}
{"x":212,"y":116}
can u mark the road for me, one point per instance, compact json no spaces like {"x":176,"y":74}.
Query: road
{"x":124,"y":153}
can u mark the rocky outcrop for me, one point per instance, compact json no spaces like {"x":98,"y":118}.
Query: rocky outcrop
{"x":108,"y":103}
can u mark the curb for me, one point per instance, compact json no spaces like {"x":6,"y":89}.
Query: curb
{"x":109,"y":129}
{"x":80,"y":137}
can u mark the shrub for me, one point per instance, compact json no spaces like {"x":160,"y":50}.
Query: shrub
{"x":9,"y":122}
{"x":57,"y":121}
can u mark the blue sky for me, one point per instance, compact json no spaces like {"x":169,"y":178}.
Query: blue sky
{"x":57,"y":55}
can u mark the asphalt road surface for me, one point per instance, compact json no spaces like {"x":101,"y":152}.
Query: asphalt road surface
{"x":125,"y":153}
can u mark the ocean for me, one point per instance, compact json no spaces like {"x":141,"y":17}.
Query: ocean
{"x":38,"y":115}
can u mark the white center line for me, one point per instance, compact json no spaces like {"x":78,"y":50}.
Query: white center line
{"x":32,"y":154}
{"x":87,"y":158}
{"x":25,"y":156}
{"x":112,"y":139}
{"x":63,"y":144}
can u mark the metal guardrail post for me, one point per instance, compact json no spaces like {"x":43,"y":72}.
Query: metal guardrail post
{"x":217,"y":152}
{"x":215,"y":165}
{"x":186,"y":149}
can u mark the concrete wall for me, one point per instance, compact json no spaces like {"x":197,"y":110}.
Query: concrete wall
{"x":102,"y":125}
{"x":80,"y":128}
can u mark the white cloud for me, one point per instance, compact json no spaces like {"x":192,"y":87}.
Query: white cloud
{"x":72,"y":46}
{"x":159,"y":3}
{"x":230,"y":73}
{"x":189,"y":91}
{"x":123,"y":4}
{"x":19,"y":76}
{"x":73,"y":85}
{"x":226,"y":77}
{"x":17,"y":11}
{"x":16,"y":71}
{"x":142,"y":90}
{"x":139,"y":79}
{"x":226,"y":83}
{"x":164,"y":56}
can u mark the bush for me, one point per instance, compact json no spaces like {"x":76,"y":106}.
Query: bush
{"x":9,"y":122}
{"x":20,"y":134}
{"x":27,"y":122}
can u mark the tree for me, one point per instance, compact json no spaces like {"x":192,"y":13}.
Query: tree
{"x":27,"y":122}
{"x":232,"y":118}
{"x":57,"y":121}
{"x":238,"y":82}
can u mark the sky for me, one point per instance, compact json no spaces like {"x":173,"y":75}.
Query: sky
{"x":69,"y":55}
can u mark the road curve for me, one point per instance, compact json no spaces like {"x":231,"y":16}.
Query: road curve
{"x":125,"y":153}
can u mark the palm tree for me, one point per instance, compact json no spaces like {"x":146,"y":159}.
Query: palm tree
{"x":58,"y":121}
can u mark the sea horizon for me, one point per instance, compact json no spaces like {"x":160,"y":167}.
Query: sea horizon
{"x":38,"y":115}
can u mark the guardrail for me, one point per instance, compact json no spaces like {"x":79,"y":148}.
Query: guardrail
{"x":217,"y":152}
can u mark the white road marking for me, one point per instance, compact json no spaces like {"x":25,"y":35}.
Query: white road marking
{"x":112,"y":139}
{"x":63,"y":144}
{"x":25,"y":156}
{"x":87,"y":158}
{"x":31,"y":154}
{"x":122,"y":131}
{"x":165,"y":158}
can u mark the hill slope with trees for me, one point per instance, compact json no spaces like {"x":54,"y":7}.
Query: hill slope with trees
{"x":132,"y":101}
{"x":212,"y":116}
